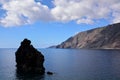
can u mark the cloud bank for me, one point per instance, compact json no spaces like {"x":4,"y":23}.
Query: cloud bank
{"x":21,"y":12}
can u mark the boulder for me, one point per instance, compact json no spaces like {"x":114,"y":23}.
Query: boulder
{"x":29,"y":59}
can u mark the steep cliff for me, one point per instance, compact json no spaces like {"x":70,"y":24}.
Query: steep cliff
{"x":107,"y":37}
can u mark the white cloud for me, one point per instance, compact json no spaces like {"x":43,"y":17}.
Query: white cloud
{"x":86,"y":11}
{"x":20,"y":12}
{"x":3,"y":1}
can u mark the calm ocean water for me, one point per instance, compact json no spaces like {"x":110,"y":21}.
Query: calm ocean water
{"x":67,"y":64}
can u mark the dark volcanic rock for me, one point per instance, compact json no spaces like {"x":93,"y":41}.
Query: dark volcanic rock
{"x":107,"y":37}
{"x":28,"y":59}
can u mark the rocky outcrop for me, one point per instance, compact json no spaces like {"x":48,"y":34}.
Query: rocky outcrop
{"x":107,"y":37}
{"x":28,"y":59}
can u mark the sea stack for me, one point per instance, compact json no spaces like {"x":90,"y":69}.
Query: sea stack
{"x":29,"y":59}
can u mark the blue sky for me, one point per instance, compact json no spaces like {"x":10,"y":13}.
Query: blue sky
{"x":51,"y":22}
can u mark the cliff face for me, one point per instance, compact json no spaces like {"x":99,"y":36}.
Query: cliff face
{"x":107,"y":37}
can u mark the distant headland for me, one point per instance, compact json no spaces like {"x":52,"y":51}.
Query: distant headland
{"x":107,"y":37}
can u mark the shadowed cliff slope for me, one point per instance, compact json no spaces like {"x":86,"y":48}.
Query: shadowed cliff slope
{"x":107,"y":37}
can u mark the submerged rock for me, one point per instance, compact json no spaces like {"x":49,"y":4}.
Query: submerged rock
{"x":29,"y":59}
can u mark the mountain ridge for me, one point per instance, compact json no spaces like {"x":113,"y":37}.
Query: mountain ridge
{"x":107,"y":37}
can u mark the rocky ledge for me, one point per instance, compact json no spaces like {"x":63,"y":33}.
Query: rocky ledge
{"x":29,"y":59}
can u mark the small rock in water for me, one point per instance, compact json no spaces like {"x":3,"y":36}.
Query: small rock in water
{"x":49,"y":73}
{"x":29,"y":59}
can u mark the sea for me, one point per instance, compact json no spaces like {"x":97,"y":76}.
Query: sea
{"x":66,"y":64}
